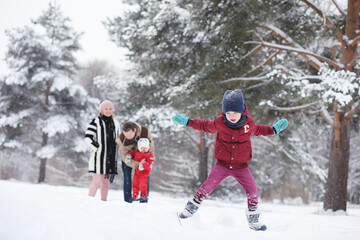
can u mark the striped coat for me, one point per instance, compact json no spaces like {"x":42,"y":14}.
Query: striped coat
{"x":95,"y":137}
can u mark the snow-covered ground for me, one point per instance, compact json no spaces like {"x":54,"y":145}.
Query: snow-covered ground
{"x":33,"y":211}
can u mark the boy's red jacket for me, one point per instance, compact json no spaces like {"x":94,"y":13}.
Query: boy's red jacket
{"x":233,"y":146}
{"x":148,"y":156}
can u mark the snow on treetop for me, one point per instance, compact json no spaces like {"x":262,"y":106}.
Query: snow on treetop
{"x":47,"y":152}
{"x":60,"y":81}
{"x":80,"y":145}
{"x":13,"y":144}
{"x":161,"y":116}
{"x":77,"y":90}
{"x":334,"y":85}
{"x":13,"y":120}
{"x":57,"y":124}
{"x":15,"y":78}
{"x":338,"y":86}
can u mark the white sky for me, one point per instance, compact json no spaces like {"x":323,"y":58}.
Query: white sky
{"x":85,"y":16}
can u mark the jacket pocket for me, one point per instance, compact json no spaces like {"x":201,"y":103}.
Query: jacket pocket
{"x":243,"y":152}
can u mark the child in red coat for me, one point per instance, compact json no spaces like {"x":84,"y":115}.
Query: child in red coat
{"x":146,"y":159}
{"x":232,"y":152}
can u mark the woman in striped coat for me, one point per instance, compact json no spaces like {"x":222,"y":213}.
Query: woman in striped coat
{"x":102,"y":136}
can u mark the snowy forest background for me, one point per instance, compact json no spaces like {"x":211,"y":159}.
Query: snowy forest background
{"x":287,"y":60}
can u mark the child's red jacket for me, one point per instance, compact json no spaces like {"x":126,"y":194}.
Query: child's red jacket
{"x":138,"y":156}
{"x":233,"y":146}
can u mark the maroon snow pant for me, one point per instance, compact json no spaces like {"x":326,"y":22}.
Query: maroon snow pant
{"x":219,"y":173}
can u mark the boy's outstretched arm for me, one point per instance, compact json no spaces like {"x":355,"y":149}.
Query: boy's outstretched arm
{"x":280,"y":125}
{"x":197,"y":124}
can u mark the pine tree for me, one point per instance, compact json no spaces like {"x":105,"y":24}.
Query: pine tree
{"x":319,"y":75}
{"x":191,"y":45}
{"x":42,"y":113}
{"x":176,"y":50}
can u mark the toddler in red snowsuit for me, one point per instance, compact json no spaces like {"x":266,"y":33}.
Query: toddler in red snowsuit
{"x":146,"y":159}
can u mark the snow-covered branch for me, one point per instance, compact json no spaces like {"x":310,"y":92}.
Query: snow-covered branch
{"x":283,"y":36}
{"x":354,"y":108}
{"x":252,"y":52}
{"x":355,"y":41}
{"x":351,"y":63}
{"x":310,"y":78}
{"x":193,"y":47}
{"x":258,"y":85}
{"x":267,"y":61}
{"x":325,"y":114}
{"x":245,"y":79}
{"x":338,"y":7}
{"x":266,"y":80}
{"x":292,"y":109}
{"x":300,"y":51}
{"x":327,"y":20}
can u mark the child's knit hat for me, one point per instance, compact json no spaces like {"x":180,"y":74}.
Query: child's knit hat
{"x":143,"y":142}
{"x":104,"y":104}
{"x":233,"y":101}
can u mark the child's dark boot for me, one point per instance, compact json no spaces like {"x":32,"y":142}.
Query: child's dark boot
{"x":253,"y":220}
{"x":190,"y":208}
{"x":144,"y":199}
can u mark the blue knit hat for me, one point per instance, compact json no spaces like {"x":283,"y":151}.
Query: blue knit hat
{"x":233,"y":101}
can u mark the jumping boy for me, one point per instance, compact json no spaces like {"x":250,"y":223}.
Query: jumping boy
{"x":232,"y":152}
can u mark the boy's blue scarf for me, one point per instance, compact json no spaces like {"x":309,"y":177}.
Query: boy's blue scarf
{"x":235,"y":125}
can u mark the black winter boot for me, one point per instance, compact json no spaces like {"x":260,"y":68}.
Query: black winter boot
{"x":253,"y":220}
{"x":144,"y":199}
{"x":190,"y":208}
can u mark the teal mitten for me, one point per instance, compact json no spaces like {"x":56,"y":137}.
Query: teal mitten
{"x":180,"y":119}
{"x":280,"y":125}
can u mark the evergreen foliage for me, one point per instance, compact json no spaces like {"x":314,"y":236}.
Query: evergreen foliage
{"x":186,"y":54}
{"x":191,"y":46}
{"x":42,"y":110}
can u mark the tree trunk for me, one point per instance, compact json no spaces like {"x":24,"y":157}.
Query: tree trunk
{"x":45,"y":137}
{"x":42,"y":170}
{"x":336,"y":186}
{"x":203,"y":163}
{"x":43,"y":161}
{"x":349,"y":51}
